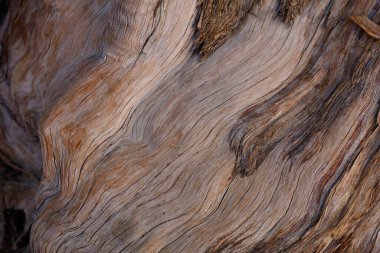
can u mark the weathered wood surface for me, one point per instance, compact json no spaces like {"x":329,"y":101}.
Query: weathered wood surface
{"x":190,"y":125}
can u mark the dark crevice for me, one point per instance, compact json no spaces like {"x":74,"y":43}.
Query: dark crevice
{"x":15,"y":236}
{"x":3,"y":10}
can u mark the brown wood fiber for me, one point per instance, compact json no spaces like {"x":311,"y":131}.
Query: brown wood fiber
{"x":189,"y":126}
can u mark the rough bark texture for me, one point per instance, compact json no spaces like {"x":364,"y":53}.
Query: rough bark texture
{"x":190,"y":126}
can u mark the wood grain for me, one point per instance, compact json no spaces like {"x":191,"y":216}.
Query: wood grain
{"x":191,"y":126}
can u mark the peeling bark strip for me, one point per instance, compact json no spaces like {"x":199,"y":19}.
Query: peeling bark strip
{"x":218,"y":20}
{"x":367,"y":25}
{"x":142,"y":145}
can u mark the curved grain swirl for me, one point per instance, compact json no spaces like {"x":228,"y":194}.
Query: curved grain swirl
{"x":265,"y":140}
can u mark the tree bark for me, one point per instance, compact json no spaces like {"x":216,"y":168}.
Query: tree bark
{"x":190,"y":126}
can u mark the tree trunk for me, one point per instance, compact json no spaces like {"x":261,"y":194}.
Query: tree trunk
{"x":190,"y":126}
